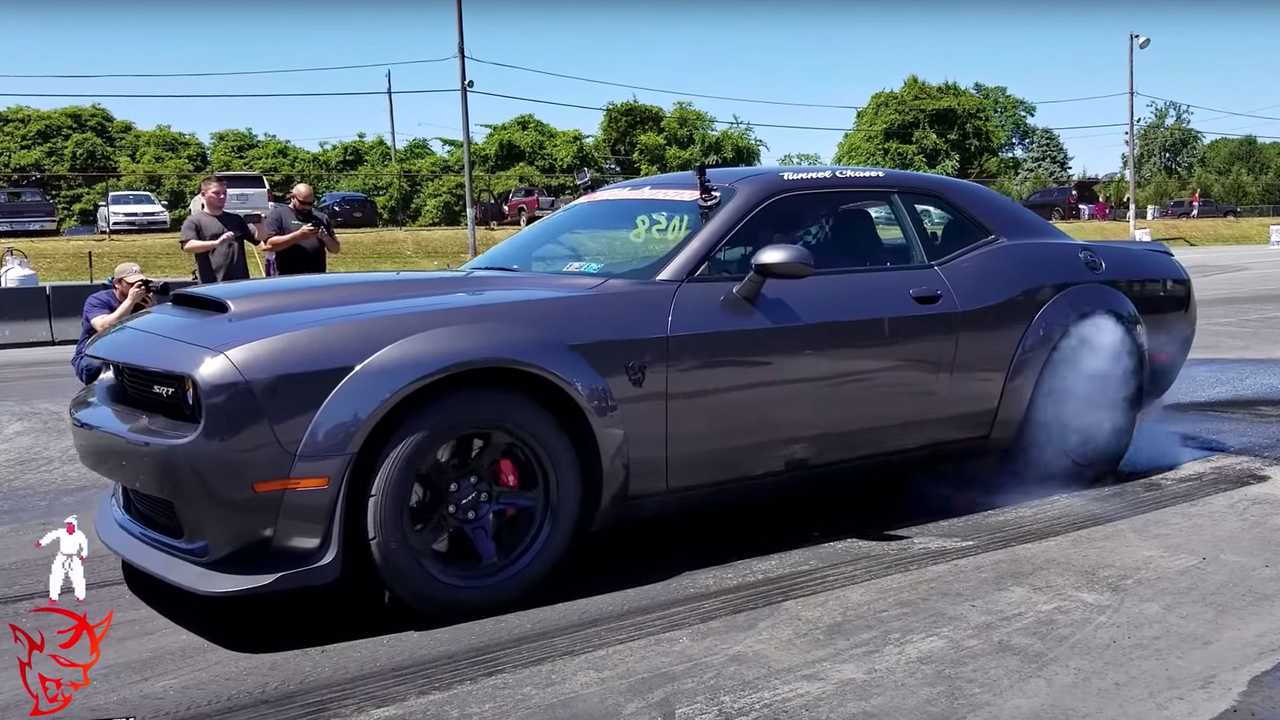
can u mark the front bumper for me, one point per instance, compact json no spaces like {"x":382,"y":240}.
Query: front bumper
{"x":138,"y":223}
{"x":182,"y":506}
{"x":33,"y":225}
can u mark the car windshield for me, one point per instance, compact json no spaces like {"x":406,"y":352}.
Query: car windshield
{"x":134,"y":199}
{"x":626,"y":232}
{"x":15,"y":196}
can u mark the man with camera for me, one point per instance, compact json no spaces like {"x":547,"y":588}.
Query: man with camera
{"x":130,"y":292}
{"x":217,"y":237}
{"x":300,"y":236}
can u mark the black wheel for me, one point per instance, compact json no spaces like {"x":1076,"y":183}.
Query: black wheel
{"x":524,"y":217}
{"x":475,"y":500}
{"x":1056,"y":214}
{"x":1084,"y":408}
{"x":1229,"y":215}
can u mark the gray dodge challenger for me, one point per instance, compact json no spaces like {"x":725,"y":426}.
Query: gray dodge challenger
{"x":453,"y":431}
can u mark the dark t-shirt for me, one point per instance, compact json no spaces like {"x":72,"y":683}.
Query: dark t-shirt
{"x":227,"y":261}
{"x":103,"y":302}
{"x":304,"y":256}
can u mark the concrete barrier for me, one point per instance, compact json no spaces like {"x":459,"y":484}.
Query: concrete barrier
{"x":66,"y":305}
{"x":49,"y":314}
{"x":24,"y":316}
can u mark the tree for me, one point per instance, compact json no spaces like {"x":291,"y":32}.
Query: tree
{"x":800,"y":159}
{"x":941,"y":128}
{"x":1045,"y":156}
{"x":1012,"y":115}
{"x":688,"y":137}
{"x":620,"y":129}
{"x":1167,"y":145}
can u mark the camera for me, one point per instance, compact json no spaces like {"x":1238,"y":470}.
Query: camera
{"x":156,"y":288}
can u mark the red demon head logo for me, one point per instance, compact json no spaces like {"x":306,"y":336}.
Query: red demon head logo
{"x":51,"y":686}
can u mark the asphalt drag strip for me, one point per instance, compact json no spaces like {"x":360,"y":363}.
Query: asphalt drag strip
{"x":430,"y":669}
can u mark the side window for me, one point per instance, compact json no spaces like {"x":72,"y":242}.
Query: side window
{"x":843,"y":230}
{"x":942,"y":230}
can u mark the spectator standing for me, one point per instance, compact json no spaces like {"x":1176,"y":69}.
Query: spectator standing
{"x":300,"y":236}
{"x":105,"y":308}
{"x":1195,"y":203}
{"x":217,"y":237}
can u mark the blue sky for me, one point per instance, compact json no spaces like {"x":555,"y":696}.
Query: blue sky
{"x":1221,"y":54}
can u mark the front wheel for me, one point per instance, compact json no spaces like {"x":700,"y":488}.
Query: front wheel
{"x":476,"y":499}
{"x":1056,"y":214}
{"x":1229,"y":215}
{"x":1084,"y":408}
{"x":524,"y":217}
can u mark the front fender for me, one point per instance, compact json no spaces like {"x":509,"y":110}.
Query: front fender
{"x":1043,"y":334}
{"x":354,"y":408}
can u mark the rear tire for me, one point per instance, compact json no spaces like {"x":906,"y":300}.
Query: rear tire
{"x":1084,"y":408}
{"x":1056,"y":214}
{"x":427,"y":551}
{"x":524,"y":217}
{"x":1229,"y":215}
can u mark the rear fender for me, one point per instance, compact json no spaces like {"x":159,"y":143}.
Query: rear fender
{"x":1050,"y":325}
{"x":356,"y":406}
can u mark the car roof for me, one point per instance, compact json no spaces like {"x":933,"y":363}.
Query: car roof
{"x":15,"y":189}
{"x":345,"y":193}
{"x":996,"y":211}
{"x":237,"y":172}
{"x":131,"y":192}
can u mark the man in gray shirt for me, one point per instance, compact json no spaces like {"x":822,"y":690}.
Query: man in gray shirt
{"x":217,"y":237}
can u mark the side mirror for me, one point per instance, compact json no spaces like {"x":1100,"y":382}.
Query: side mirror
{"x":785,"y":262}
{"x":102,"y":204}
{"x":164,"y":204}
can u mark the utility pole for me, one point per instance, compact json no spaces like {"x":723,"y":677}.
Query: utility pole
{"x":466,"y":137}
{"x":1143,"y":42}
{"x":391,"y":114}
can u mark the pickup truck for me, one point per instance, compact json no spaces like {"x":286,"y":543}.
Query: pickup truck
{"x":27,"y":210}
{"x":525,"y":204}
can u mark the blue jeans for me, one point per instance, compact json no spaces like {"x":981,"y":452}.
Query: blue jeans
{"x":87,"y":368}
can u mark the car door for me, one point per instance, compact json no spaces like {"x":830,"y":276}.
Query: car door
{"x":843,"y":364}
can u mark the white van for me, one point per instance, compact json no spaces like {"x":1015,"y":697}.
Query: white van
{"x":247,"y":193}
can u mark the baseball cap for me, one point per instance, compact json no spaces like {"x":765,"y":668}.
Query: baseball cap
{"x":128,"y":271}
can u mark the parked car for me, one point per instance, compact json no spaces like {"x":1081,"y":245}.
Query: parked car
{"x":1055,"y":203}
{"x":27,"y":210}
{"x":1181,"y":209}
{"x":454,"y":432}
{"x":526,"y":204}
{"x":349,"y":209}
{"x":132,"y":210}
{"x":247,"y":194}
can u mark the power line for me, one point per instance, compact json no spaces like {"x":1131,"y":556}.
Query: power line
{"x":743,"y":122}
{"x":1210,"y":109}
{"x":223,"y":95}
{"x":738,"y":99}
{"x":229,"y":73}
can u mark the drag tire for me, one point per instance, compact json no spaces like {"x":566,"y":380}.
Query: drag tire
{"x":405,"y":540}
{"x":1084,"y":409}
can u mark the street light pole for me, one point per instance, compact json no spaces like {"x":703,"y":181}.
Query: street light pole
{"x":466,"y":137}
{"x":1143,"y":42}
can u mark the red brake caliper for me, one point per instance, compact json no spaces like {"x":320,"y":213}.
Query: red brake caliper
{"x":508,"y":477}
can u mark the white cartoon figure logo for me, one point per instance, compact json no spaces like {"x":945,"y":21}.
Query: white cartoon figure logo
{"x":73,"y":547}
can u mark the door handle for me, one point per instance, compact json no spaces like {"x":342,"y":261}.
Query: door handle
{"x":926,"y":295}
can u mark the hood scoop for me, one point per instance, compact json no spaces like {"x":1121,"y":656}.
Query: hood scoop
{"x":199,"y":302}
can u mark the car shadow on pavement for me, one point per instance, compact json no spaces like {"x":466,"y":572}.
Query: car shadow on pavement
{"x":874,"y":503}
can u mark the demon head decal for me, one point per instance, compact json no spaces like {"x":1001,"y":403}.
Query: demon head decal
{"x":52,"y":676}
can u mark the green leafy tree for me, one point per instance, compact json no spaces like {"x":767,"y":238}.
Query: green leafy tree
{"x":800,"y":159}
{"x":940,"y":128}
{"x":621,"y":127}
{"x":688,"y":137}
{"x":1167,"y":145}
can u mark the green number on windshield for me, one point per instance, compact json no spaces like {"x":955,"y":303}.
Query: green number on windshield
{"x":675,"y":228}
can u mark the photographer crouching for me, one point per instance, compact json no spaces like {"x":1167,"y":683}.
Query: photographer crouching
{"x":130,"y":292}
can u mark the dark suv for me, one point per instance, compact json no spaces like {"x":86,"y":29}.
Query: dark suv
{"x":1181,"y":209}
{"x":349,"y":209}
{"x":1055,"y":203}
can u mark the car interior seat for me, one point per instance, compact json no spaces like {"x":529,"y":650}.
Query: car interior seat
{"x":956,"y":236}
{"x":854,"y":242}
